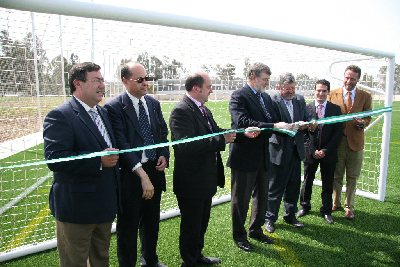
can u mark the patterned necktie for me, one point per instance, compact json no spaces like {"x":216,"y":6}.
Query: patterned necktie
{"x":205,"y":115}
{"x":289,"y":106}
{"x":319,"y":111}
{"x":146,"y":131}
{"x":266,"y":113}
{"x":100,"y":125}
{"x":348,"y":102}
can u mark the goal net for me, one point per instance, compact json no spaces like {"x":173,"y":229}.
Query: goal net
{"x":37,"y":50}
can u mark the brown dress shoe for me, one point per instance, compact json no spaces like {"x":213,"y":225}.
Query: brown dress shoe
{"x":349,"y":214}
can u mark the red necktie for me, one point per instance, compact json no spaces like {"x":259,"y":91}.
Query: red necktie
{"x":319,"y":111}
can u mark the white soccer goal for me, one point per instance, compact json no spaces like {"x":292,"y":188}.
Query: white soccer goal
{"x":40,"y":40}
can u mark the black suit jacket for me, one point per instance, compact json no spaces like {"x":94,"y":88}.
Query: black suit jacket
{"x":198,"y":167}
{"x":127,"y":131}
{"x":326,"y":137}
{"x":281,"y":146}
{"x":81,"y":192}
{"x":246,"y":154}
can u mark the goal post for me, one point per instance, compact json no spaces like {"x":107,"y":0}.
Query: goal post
{"x":41,"y":39}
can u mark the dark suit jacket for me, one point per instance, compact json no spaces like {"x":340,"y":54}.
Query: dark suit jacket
{"x":127,"y":131}
{"x":281,"y":146}
{"x":81,"y":192}
{"x":198,"y":167}
{"x":246,"y":154}
{"x":326,"y":137}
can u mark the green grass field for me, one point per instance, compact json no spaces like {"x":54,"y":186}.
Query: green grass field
{"x":372,"y":239}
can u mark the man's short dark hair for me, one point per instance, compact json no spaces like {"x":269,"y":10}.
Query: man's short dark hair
{"x":193,"y":80}
{"x":258,"y":68}
{"x":78,"y":72}
{"x":125,"y":71}
{"x":323,"y":82}
{"x":355,"y":69}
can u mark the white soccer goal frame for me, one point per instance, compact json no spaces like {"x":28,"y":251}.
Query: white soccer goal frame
{"x":94,"y":10}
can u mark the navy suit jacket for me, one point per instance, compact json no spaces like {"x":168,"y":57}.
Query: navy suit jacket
{"x":326,"y":137}
{"x":127,"y":131}
{"x":198,"y":168}
{"x":82,"y":192}
{"x":245,"y":108}
{"x":281,"y":146}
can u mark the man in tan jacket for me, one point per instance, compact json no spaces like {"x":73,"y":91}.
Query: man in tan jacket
{"x":351,"y":149}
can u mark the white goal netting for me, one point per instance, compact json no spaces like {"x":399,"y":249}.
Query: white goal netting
{"x":37,"y":50}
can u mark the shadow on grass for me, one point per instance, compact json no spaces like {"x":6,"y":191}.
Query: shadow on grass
{"x":369,"y":240}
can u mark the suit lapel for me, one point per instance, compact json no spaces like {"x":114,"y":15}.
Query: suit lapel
{"x":131,"y":112}
{"x":251,"y":95}
{"x":197,"y":112}
{"x":82,"y":114}
{"x":150,"y":107}
{"x":107,"y":124}
{"x":285,"y":110}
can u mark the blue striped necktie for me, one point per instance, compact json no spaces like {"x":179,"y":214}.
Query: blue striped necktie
{"x":100,"y":125}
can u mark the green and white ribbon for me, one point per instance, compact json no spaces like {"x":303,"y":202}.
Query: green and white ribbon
{"x":329,"y":120}
{"x":106,"y":153}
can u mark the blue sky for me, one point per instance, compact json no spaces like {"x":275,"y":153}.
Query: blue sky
{"x":371,"y":24}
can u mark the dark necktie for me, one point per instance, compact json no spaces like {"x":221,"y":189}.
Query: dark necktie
{"x":266,"y":113}
{"x":146,"y":131}
{"x":205,"y":115}
{"x":100,"y":125}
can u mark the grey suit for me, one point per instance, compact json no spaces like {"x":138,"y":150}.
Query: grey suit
{"x":286,"y":154}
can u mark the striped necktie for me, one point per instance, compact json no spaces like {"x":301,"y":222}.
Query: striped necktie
{"x":100,"y":125}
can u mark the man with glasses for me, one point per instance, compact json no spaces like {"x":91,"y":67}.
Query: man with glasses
{"x":137,"y":121}
{"x":83,"y":196}
{"x":286,"y":154}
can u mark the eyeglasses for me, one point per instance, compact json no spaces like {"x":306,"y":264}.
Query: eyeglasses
{"x":141,"y":79}
{"x":97,"y":80}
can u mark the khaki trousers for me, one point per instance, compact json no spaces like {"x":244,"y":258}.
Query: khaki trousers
{"x":349,"y":162}
{"x":83,"y":245}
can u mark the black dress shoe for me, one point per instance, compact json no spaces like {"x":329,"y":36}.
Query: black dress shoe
{"x":328,"y":218}
{"x":244,"y":245}
{"x":269,"y":226}
{"x":144,"y":264}
{"x":296,"y":223}
{"x":208,"y":260}
{"x":261,"y":237}
{"x":302,"y":212}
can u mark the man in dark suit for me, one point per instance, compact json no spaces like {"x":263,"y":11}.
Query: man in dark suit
{"x":83,"y":196}
{"x":137,"y":121}
{"x":286,"y":154}
{"x":321,"y":143}
{"x":249,"y":158}
{"x":198,"y":168}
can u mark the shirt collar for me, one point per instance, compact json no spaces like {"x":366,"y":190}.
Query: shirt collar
{"x":323,"y":104}
{"x":85,"y":106}
{"x":353,"y":92}
{"x":135,"y":100}
{"x":198,"y":103}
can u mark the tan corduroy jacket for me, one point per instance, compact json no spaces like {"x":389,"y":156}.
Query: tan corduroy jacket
{"x":362,"y":102}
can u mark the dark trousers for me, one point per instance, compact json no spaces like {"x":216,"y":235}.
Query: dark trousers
{"x":246,"y":185}
{"x":285,"y":180}
{"x":195,"y":214}
{"x":327,"y":171}
{"x":138,"y":213}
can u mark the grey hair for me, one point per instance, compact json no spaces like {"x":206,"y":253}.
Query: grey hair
{"x":286,"y":78}
{"x":258,"y":68}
